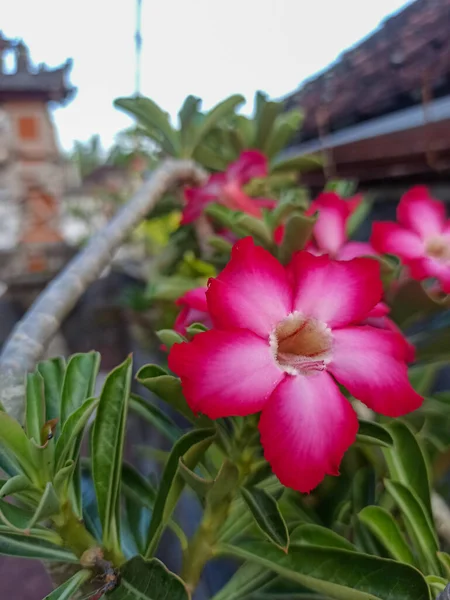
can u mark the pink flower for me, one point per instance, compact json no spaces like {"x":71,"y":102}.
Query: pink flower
{"x":226,"y":188}
{"x":421,"y":239}
{"x":329,"y":235}
{"x":378,"y":318}
{"x":281,"y":338}
{"x":193,"y":310}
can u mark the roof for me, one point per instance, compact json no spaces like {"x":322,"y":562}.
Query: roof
{"x":41,"y":82}
{"x":406,"y":61}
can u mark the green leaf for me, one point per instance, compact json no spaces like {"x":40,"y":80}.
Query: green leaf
{"x":407,"y":464}
{"x":336,"y":573}
{"x":437,"y":584}
{"x":267,"y":515}
{"x":266,"y":114}
{"x":169,"y":337}
{"x":63,"y":479}
{"x":247,"y":579}
{"x":67,"y":590}
{"x":444,"y":559}
{"x":386,"y":529}
{"x":370,"y":432}
{"x":316,"y":535}
{"x":410,"y":302}
{"x":200,"y":485}
{"x":15,"y":442}
{"x":298,"y":230}
{"x":152,"y":118}
{"x":213,"y":117}
{"x":137,"y":487}
{"x":191,"y":107}
{"x":18,"y":483}
{"x":47,"y":507}
{"x":79,"y":382}
{"x":182,"y":446}
{"x":148,"y":580}
{"x":155,"y":416}
{"x":209,"y":159}
{"x":166,"y":387}
{"x":419,"y":523}
{"x":195,"y":328}
{"x":285,"y":127}
{"x":35,"y":406}
{"x":248,"y":225}
{"x":29,"y":547}
{"x":301,"y":164}
{"x":53,"y":373}
{"x":66,"y":446}
{"x":107,"y":450}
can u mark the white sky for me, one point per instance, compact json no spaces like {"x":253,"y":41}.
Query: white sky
{"x":208,"y":48}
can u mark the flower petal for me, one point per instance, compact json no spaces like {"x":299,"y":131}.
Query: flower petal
{"x":354,"y":249}
{"x":337,"y":293}
{"x":225,"y":373}
{"x":418,"y":211}
{"x":252,"y":292}
{"x":306,"y":427}
{"x":390,"y":238}
{"x":424,"y":268}
{"x":197,"y":198}
{"x":329,"y":230}
{"x":370,"y":363}
{"x":236,"y":199}
{"x":250,"y":164}
{"x":195,"y":298}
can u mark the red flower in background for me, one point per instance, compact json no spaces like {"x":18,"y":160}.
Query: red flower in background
{"x":194,"y":309}
{"x":330,"y":231}
{"x":281,"y":338}
{"x":226,"y":188}
{"x":421,"y":239}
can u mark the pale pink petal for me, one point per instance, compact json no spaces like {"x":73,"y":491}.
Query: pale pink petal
{"x":370,"y":363}
{"x":250,"y":164}
{"x":390,"y":238}
{"x":354,"y":249}
{"x":335,"y":292}
{"x":252,"y":292}
{"x":225,"y":373}
{"x":418,"y":211}
{"x":329,"y":230}
{"x":306,"y":427}
{"x":424,"y":268}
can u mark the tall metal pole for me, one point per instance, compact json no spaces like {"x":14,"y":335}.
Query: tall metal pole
{"x":138,"y":40}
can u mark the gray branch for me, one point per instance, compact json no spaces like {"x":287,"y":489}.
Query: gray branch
{"x":445,"y":595}
{"x":31,"y":335}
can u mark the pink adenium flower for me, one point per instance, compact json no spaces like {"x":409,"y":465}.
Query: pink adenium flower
{"x":421,"y":239}
{"x":282,"y":337}
{"x":378,"y":317}
{"x":226,"y":188}
{"x":329,"y":234}
{"x":193,"y":310}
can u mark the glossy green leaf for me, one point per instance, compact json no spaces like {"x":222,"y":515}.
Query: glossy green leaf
{"x":406,"y":462}
{"x":137,"y":487}
{"x":148,"y":580}
{"x":316,"y":535}
{"x":248,"y":225}
{"x":297,"y":232}
{"x":47,"y":507}
{"x":209,"y":158}
{"x":370,"y":432}
{"x":34,"y":406}
{"x":67,"y":590}
{"x":386,"y":529}
{"x":154,"y":120}
{"x":14,"y":441}
{"x":186,"y":114}
{"x":169,"y":337}
{"x":166,"y":387}
{"x":213,"y":117}
{"x":63,"y":479}
{"x":267,"y":515}
{"x":183,"y":445}
{"x":53,"y":373}
{"x":285,"y":127}
{"x":26,"y":546}
{"x":338,"y":574}
{"x":195,"y":328}
{"x":437,"y":584}
{"x":79,"y":382}
{"x":419,"y":524}
{"x":198,"y":484}
{"x":444,"y":559}
{"x":73,"y":428}
{"x":155,"y":416}
{"x":107,"y":450}
{"x":266,"y":114}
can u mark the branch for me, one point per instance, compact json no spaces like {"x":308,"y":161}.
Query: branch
{"x":31,"y":335}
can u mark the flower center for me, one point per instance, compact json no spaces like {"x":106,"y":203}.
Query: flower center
{"x":438,"y":247}
{"x":301,"y":345}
